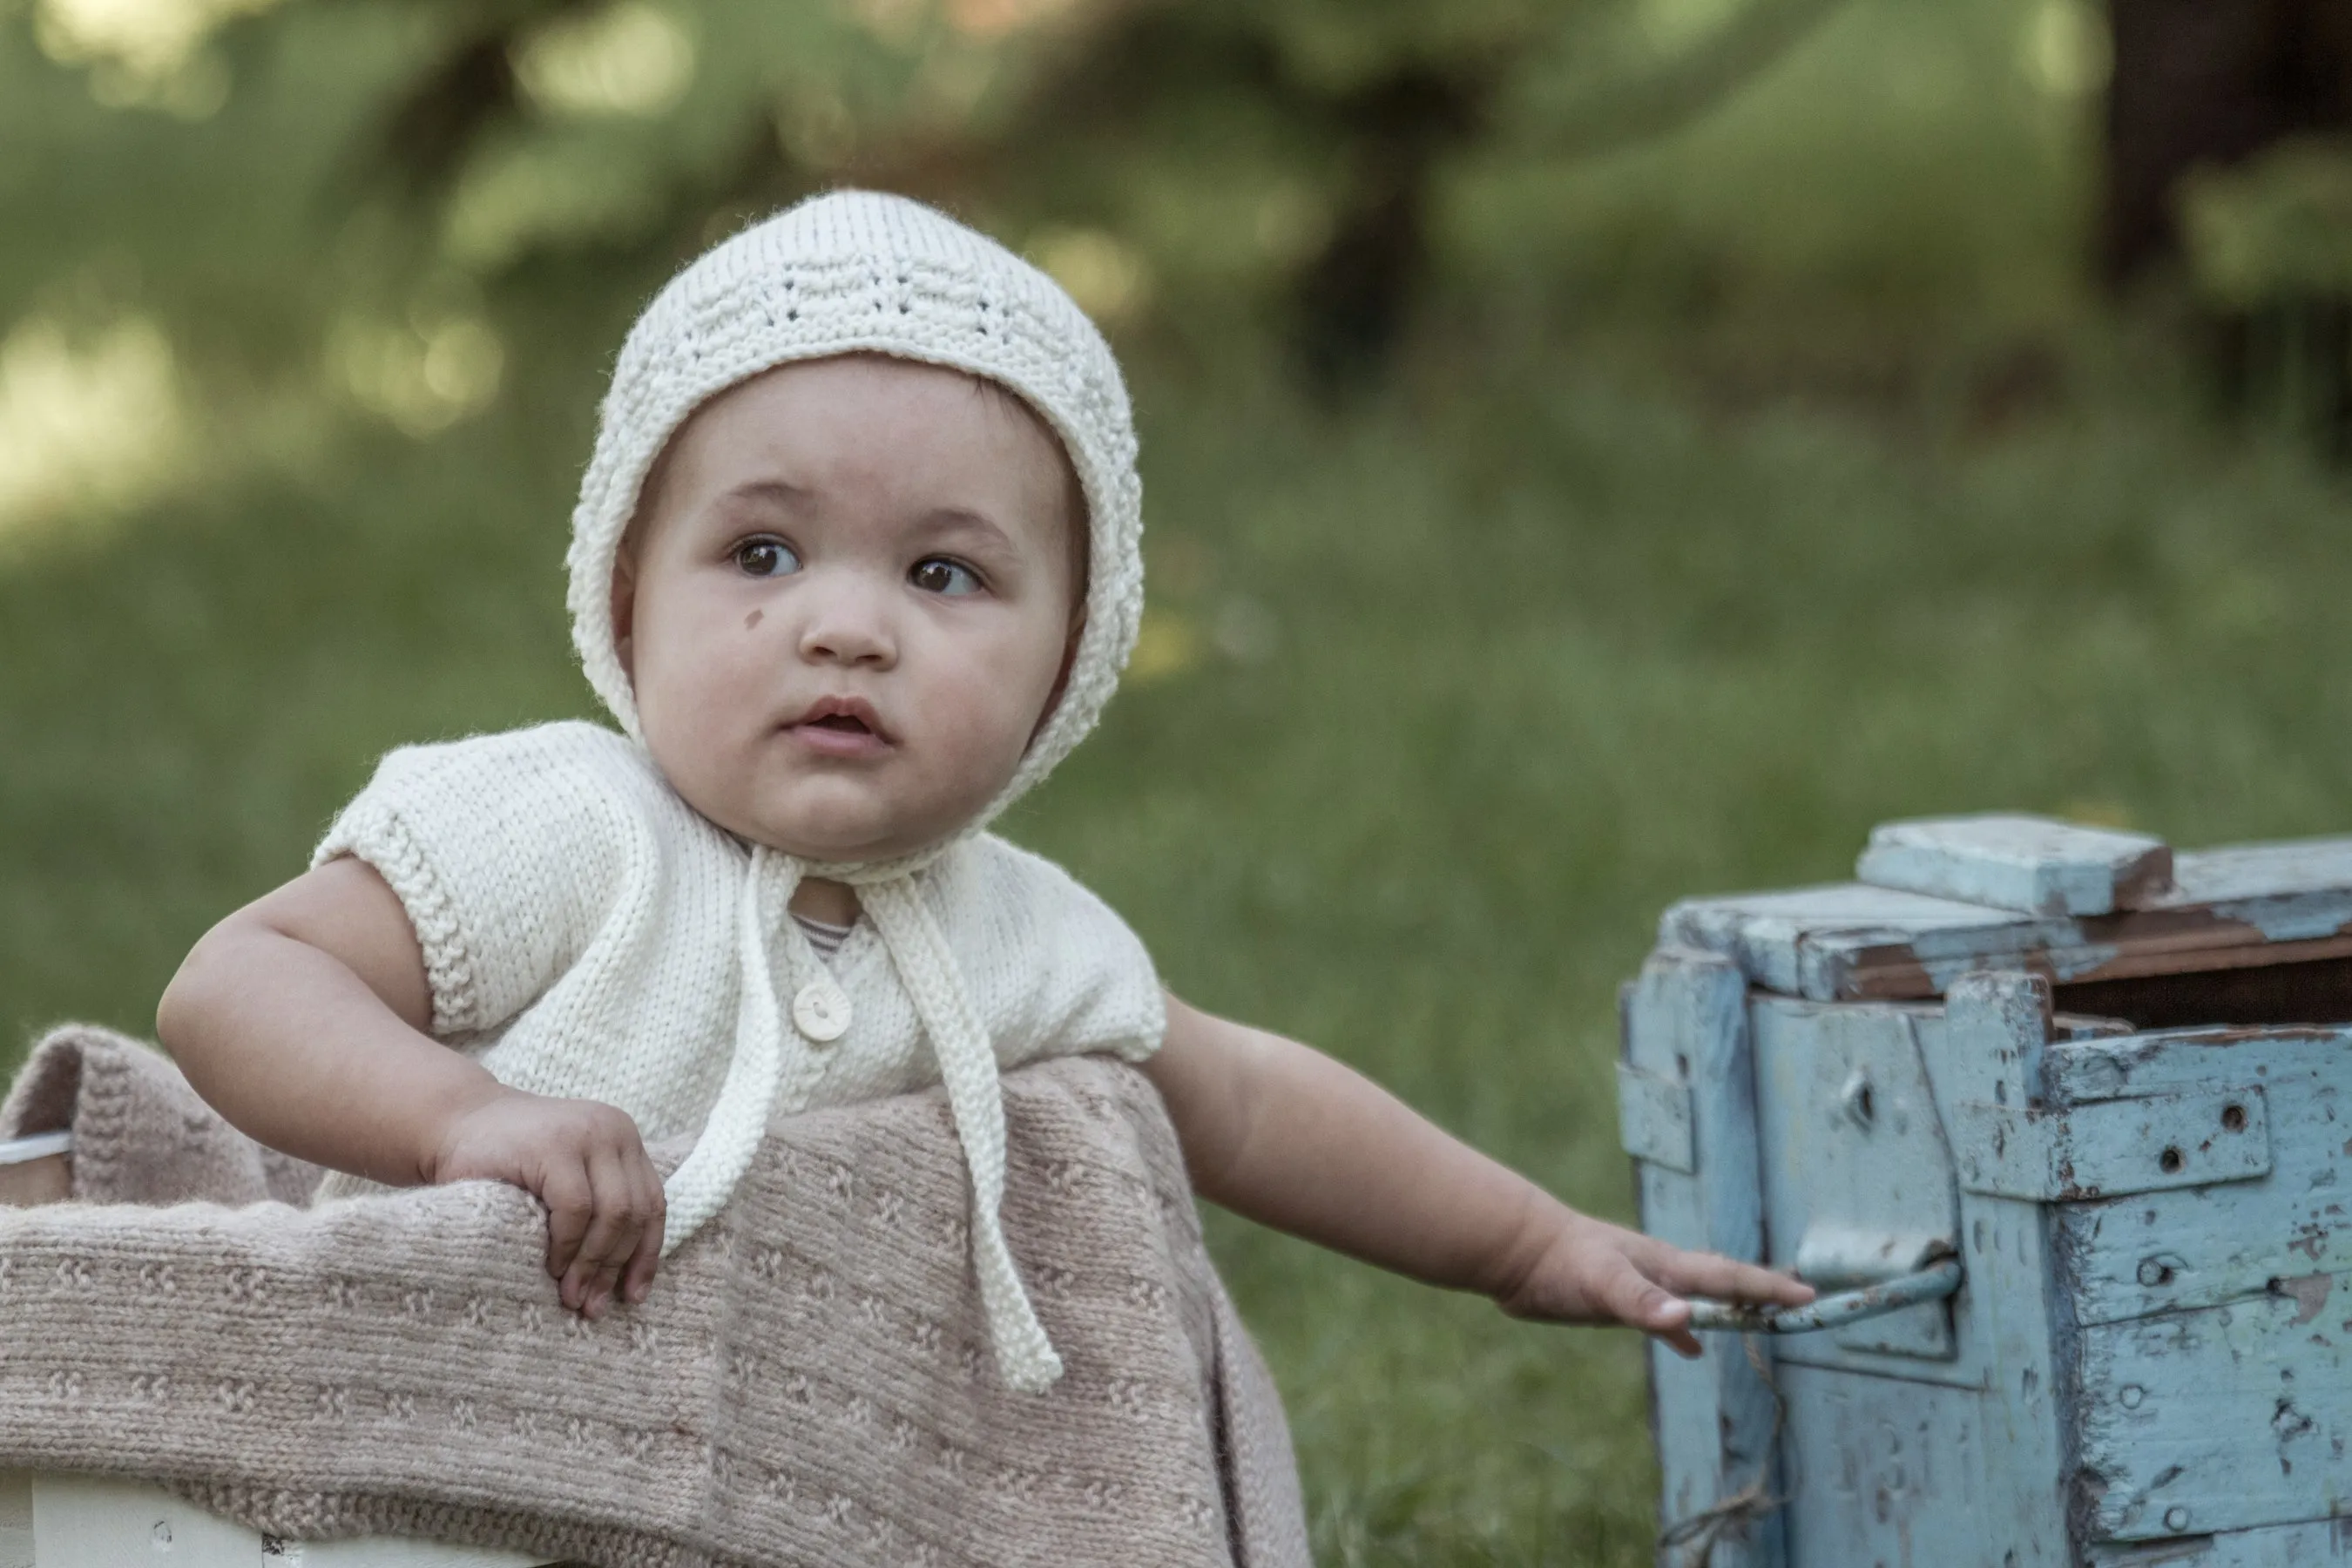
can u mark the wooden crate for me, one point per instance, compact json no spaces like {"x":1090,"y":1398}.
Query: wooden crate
{"x":2109,"y":1091}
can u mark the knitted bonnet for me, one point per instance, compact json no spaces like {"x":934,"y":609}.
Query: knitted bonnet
{"x":855,"y":272}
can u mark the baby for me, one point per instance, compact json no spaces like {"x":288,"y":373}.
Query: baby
{"x":855,"y":563}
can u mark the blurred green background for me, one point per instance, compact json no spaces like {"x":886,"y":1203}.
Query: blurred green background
{"x":1596,"y":452}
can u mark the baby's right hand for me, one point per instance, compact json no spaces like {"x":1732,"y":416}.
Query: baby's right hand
{"x":587,"y":1163}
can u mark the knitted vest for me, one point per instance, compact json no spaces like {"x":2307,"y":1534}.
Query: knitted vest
{"x":587,"y":934}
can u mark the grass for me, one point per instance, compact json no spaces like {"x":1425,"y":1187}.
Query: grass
{"x":1452,"y":694}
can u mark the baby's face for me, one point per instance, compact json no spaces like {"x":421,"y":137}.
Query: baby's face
{"x":849,"y":603}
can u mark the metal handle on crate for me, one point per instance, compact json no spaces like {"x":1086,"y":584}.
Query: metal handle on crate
{"x":1933,"y":1283}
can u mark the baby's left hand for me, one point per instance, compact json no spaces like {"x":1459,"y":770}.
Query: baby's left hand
{"x":1590,"y":1271}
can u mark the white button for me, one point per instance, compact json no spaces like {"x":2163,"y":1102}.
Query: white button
{"x":822,"y":1011}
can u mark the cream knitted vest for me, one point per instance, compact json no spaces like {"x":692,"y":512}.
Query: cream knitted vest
{"x":587,"y":934}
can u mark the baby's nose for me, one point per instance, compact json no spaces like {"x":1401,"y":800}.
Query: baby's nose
{"x":849,"y":632}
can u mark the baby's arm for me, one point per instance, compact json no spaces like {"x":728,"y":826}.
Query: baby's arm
{"x":1285,"y":1135}
{"x":302,"y":1019}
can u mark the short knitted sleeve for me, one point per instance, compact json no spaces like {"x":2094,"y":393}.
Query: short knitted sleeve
{"x":505,"y":850}
{"x":1053,"y":967}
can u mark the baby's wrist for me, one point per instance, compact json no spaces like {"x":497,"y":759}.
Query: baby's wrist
{"x":441,"y":1135}
{"x":1541,"y":1225}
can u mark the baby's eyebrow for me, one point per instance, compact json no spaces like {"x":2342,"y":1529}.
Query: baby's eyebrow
{"x":776,"y":492}
{"x":951,"y":521}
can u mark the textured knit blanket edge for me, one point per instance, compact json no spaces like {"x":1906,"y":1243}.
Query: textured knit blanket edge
{"x":810,"y":1383}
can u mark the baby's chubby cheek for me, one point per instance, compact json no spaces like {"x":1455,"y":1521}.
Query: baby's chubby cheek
{"x":963,"y":747}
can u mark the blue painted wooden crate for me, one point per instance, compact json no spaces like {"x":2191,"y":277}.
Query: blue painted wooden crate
{"x":2085,"y":1106}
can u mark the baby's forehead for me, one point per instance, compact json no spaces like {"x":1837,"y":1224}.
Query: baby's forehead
{"x":850,"y":397}
{"x":911,"y":414}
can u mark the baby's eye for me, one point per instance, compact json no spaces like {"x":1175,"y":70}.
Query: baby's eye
{"x":766,"y":558}
{"x":941,"y":575}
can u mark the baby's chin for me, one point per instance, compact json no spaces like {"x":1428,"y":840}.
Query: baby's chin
{"x":832,"y":834}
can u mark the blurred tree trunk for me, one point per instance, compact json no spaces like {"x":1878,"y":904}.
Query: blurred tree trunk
{"x":2200,"y":81}
{"x":2202,"y":84}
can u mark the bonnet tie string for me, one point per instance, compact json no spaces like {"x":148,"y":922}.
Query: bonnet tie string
{"x":702,"y":1183}
{"x":976,"y":1098}
{"x":704,"y":1180}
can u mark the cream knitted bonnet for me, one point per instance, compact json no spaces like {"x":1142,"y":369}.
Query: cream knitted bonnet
{"x":848,"y":272}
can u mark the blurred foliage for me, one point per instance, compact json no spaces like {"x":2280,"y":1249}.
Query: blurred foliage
{"x":2278,"y":226}
{"x":1220,"y":154}
{"x":1752,"y":464}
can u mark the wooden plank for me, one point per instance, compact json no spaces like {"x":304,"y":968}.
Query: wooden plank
{"x":2185,"y":1138}
{"x":2241,"y":872}
{"x":2219,"y":1418}
{"x":2036,"y":865}
{"x":2321,"y":1544}
{"x":2116,"y":947}
{"x":1854,"y":1161}
{"x":2170,"y":1061}
{"x":1889,"y":1472}
{"x":1795,"y":942}
{"x":1654,"y":1118}
{"x":1686,"y":1022}
{"x":1995,"y":1035}
{"x":2158,"y":1252}
{"x":1856,"y":941}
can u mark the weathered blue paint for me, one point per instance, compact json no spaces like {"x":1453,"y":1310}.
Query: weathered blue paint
{"x":1802,"y":943}
{"x":2201,"y":1247}
{"x":2186,"y":1138}
{"x":2288,"y":868}
{"x":1908,"y":1480}
{"x":1854,"y":941}
{"x":2220,"y":1418}
{"x":1686,"y":1022}
{"x":1854,"y":1158}
{"x":2030,"y":864}
{"x":1654,"y":1118}
{"x":2323,"y":1544}
{"x":1995,"y":1040}
{"x":2149,"y":1358}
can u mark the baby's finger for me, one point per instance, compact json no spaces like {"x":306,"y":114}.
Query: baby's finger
{"x":1710,"y":1274}
{"x":1634,"y":1300}
{"x":639,"y":1279}
{"x":612,"y":1234}
{"x":570,"y":1203}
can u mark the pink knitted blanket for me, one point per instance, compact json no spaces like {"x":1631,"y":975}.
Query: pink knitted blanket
{"x":810,"y":1381}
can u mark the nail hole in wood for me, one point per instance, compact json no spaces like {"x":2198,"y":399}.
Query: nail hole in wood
{"x":2170,"y":1162}
{"x":2233,"y":1118}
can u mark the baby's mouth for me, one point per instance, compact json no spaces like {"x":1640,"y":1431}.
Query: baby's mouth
{"x":840,"y":726}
